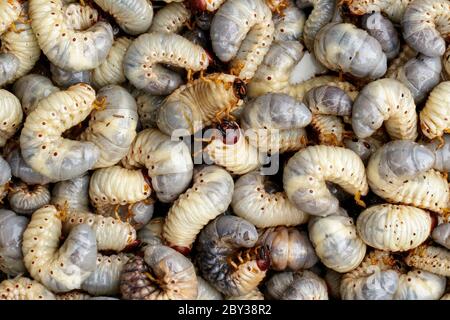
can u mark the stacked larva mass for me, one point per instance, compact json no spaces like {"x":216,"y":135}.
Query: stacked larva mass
{"x":224,"y":149}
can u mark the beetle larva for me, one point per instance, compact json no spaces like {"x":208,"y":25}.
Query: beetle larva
{"x":79,"y":16}
{"x":22,"y":288}
{"x":218,"y":244}
{"x":425,"y":26}
{"x":394,"y":227}
{"x":363,"y":147}
{"x":290,"y":24}
{"x":59,"y":268}
{"x":400,"y":172}
{"x":394,"y":9}
{"x":441,"y":235}
{"x":65,"y":79}
{"x":42,"y":145}
{"x":25,"y":199}
{"x":241,"y":33}
{"x":420,"y":285}
{"x":168,"y":162}
{"x":105,"y":280}
{"x":385,"y":101}
{"x":151,"y":233}
{"x":142,"y":62}
{"x":9,"y":12}
{"x":133,"y":16}
{"x":64,"y":46}
{"x":300,"y":285}
{"x":278,"y":118}
{"x":148,"y":108}
{"x":200,"y":103}
{"x":171,"y":18}
{"x":5,"y":177}
{"x":289,"y":249}
{"x":11,"y":115}
{"x":343,"y":47}
{"x":259,"y":201}
{"x":209,"y":196}
{"x":163,"y":274}
{"x":255,"y":294}
{"x":330,"y":129}
{"x":321,"y":14}
{"x":431,"y":259}
{"x":435,"y":116}
{"x":12,"y":227}
{"x":21,"y":170}
{"x":207,"y":291}
{"x":72,"y":193}
{"x":113,"y":128}
{"x":307,"y":171}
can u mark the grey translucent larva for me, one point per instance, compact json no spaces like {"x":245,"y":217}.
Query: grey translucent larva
{"x":441,"y":153}
{"x":23,"y":171}
{"x":72,"y":193}
{"x":363,"y":147}
{"x":289,"y":25}
{"x":26,"y":199}
{"x":148,"y":107}
{"x":65,"y":79}
{"x":5,"y":177}
{"x":441,"y":235}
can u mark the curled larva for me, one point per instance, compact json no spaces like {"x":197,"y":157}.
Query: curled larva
{"x":169,"y":163}
{"x":336,"y":242}
{"x":207,"y":291}
{"x":43,"y":147}
{"x":11,"y":115}
{"x":364,"y":148}
{"x":200,"y":103}
{"x":431,"y":259}
{"x":385,"y":101}
{"x":27,"y":199}
{"x":64,"y":79}
{"x":20,"y":169}
{"x":394,"y":227}
{"x":425,"y":26}
{"x":259,"y":201}
{"x":273,"y":121}
{"x":171,"y":18}
{"x":113,"y":128}
{"x":79,"y":16}
{"x":163,"y":274}
{"x":241,"y":33}
{"x":22,"y":288}
{"x":289,"y":25}
{"x":133,"y":16}
{"x":300,"y":285}
{"x":142,"y":62}
{"x":255,"y":294}
{"x":12,"y":227}
{"x":345,"y":48}
{"x":420,"y":285}
{"x":9,"y":12}
{"x":105,"y":280}
{"x":31,"y":89}
{"x":110,"y":233}
{"x":72,"y":193}
{"x":400,"y":172}
{"x":5,"y":177}
{"x":307,"y":171}
{"x":321,"y":14}
{"x":62,"y":268}
{"x":111,"y":70}
{"x":209,"y":196}
{"x":218,"y":245}
{"x":289,"y":249}
{"x":148,"y":107}
{"x":441,"y":153}
{"x":441,"y":235}
{"x":435,"y":116}
{"x":394,"y":9}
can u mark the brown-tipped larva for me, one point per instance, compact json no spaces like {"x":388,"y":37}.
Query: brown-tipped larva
{"x":435,"y":116}
{"x":9,"y":12}
{"x":26,"y":199}
{"x":431,"y":259}
{"x":171,"y":18}
{"x":22,"y":288}
{"x":11,"y":115}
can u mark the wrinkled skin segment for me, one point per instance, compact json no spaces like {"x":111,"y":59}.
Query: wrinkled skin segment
{"x":171,"y":18}
{"x":435,"y":116}
{"x":22,"y":288}
{"x":72,"y":193}
{"x":430,"y":258}
{"x":26,"y":199}
{"x":328,"y":100}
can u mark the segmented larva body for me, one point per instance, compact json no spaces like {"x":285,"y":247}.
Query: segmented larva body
{"x":113,"y":128}
{"x":209,"y":196}
{"x":321,"y":14}
{"x":72,"y":193}
{"x":385,"y":101}
{"x":59,"y":269}
{"x":5,"y":177}
{"x":400,"y":172}
{"x":328,"y":100}
{"x":255,"y":294}
{"x":148,"y":108}
{"x":336,"y":242}
{"x":300,"y":285}
{"x":110,"y":233}
{"x":21,"y":170}
{"x":425,"y":26}
{"x":142,"y":62}
{"x":364,"y":148}
{"x":217,"y":243}
{"x":80,"y":17}
{"x":241,"y":33}
{"x":431,"y":259}
{"x":174,"y":273}
{"x":64,"y":79}
{"x":289,"y":249}
{"x":290,"y":24}
{"x":42,"y":145}
{"x":12,"y":227}
{"x":394,"y":9}
{"x":343,"y":47}
{"x":133,"y":16}
{"x":11,"y":115}
{"x":24,"y":199}
{"x":441,"y":235}
{"x":330,"y":129}
{"x":22,"y":288}
{"x":31,"y":89}
{"x":9,"y":12}
{"x":435,"y":116}
{"x":169,"y":163}
{"x":307,"y":171}
{"x":257,"y":200}
{"x":394,"y":227}
{"x":171,"y":18}
{"x":64,"y":46}
{"x":111,"y":70}
{"x":420,"y":285}
{"x":207,"y":291}
{"x":105,"y":280}
{"x":272,"y":123}
{"x":199,"y":103}
{"x":406,"y":54}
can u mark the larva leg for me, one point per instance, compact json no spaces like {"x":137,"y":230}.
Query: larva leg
{"x":22,"y":288}
{"x":11,"y":115}
{"x":26,"y":200}
{"x":171,"y":18}
{"x":330,"y":129}
{"x":435,"y":116}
